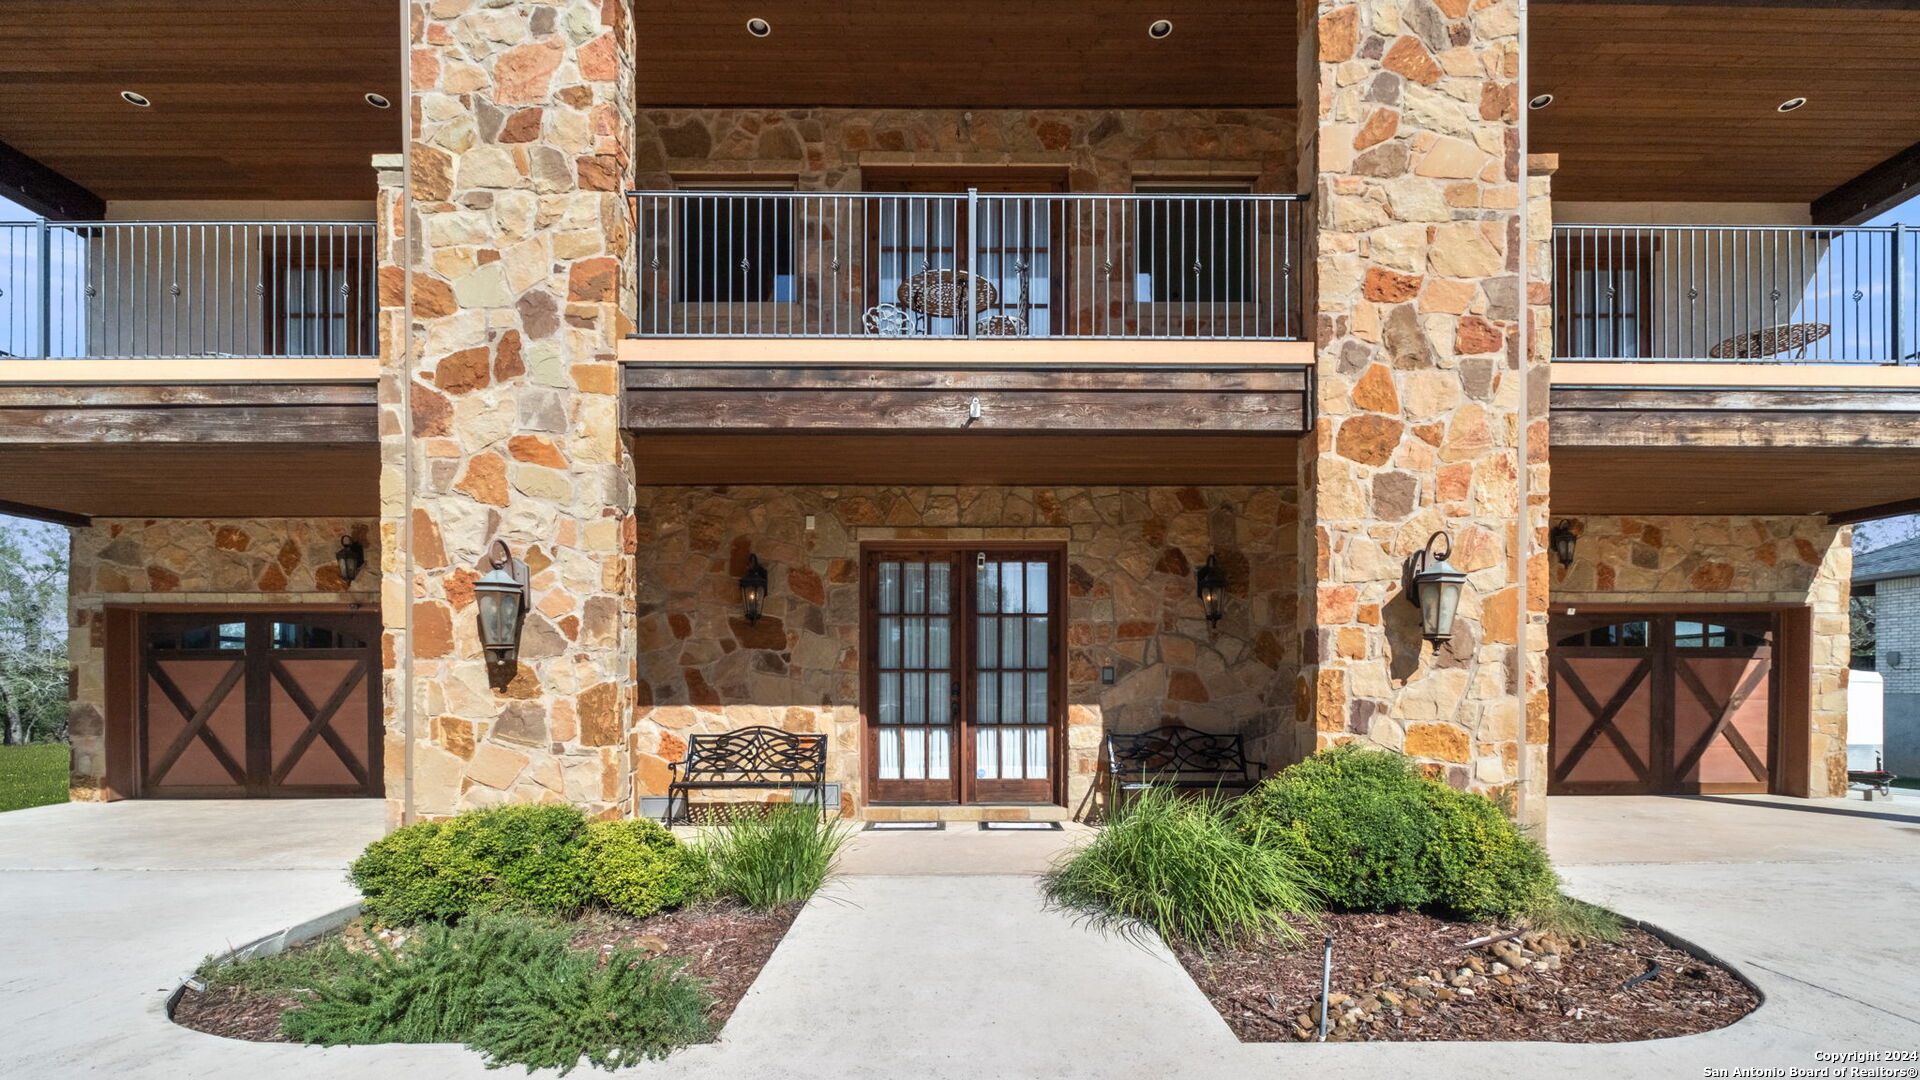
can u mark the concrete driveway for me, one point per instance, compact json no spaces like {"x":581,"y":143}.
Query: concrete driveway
{"x":935,"y":958}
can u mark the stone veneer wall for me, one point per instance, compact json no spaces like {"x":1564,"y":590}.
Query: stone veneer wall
{"x":1131,"y":604}
{"x":190,"y":562}
{"x":1412,"y":159}
{"x":1101,"y":149}
{"x":1703,"y":561}
{"x":501,"y":404}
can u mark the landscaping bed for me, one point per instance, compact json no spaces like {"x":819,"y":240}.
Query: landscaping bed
{"x":1404,"y":976}
{"x":723,"y":945}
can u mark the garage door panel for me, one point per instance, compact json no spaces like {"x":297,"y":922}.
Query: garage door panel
{"x":1723,"y":711}
{"x":333,"y":752}
{"x":1606,"y":740}
{"x":197,"y":730}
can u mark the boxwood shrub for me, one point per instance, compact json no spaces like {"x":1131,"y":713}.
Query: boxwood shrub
{"x":638,"y":868}
{"x":1378,"y":835}
{"x":511,"y":858}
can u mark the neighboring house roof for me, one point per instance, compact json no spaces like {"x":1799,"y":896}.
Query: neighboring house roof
{"x":1893,"y":561}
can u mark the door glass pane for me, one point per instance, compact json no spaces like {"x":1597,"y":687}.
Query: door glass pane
{"x":986,"y":753}
{"x":1036,"y":697}
{"x":989,"y":700}
{"x":988,"y":646}
{"x":916,"y":643}
{"x":939,"y":588}
{"x":889,"y":642}
{"x":1037,"y":643}
{"x":1010,"y":696}
{"x":889,"y":698}
{"x":1037,"y":589}
{"x":939,"y":767}
{"x":916,"y":588}
{"x":888,"y":767}
{"x":1012,"y":642}
{"x":914,"y":756}
{"x":1014,"y":583}
{"x":889,"y":587}
{"x":1010,"y":753}
{"x":939,"y":645}
{"x":987,"y":586}
{"x":939,"y":698}
{"x":916,"y":697}
{"x":1037,"y":753}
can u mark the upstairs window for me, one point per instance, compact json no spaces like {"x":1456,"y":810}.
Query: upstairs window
{"x":736,"y":246}
{"x":1192,"y":245}
{"x":1606,"y":294}
{"x":319,"y":300}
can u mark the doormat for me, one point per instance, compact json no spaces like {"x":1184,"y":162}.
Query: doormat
{"x":905,"y":826}
{"x":1020,"y":826}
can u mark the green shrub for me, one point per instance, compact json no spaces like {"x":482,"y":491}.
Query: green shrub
{"x":637,"y":867}
{"x":1380,"y":836}
{"x":1479,"y":865}
{"x":613,"y":1013}
{"x":1360,"y":820}
{"x":511,"y":858}
{"x":511,"y":988}
{"x":1182,"y":867}
{"x":301,"y":968}
{"x":779,"y":858}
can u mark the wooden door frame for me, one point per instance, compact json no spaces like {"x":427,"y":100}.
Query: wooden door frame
{"x":965,"y":634}
{"x":1791,"y":730}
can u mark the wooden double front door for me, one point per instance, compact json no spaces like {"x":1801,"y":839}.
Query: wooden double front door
{"x":963,"y":693}
{"x":235,"y":705}
{"x":1663,"y":704}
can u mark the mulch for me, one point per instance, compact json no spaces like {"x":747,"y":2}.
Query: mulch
{"x":1405,"y":977}
{"x":723,"y":944}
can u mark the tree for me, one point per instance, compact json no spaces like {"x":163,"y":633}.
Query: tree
{"x":1861,"y":612}
{"x":33,"y":644}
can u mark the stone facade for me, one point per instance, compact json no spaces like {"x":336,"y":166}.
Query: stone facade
{"x":505,"y":391}
{"x":1703,"y":561}
{"x":1131,"y":553}
{"x":191,"y":563}
{"x":1414,"y":169}
{"x":819,"y":149}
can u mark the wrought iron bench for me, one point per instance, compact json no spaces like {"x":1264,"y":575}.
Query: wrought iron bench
{"x":1178,"y":756}
{"x":756,"y":757}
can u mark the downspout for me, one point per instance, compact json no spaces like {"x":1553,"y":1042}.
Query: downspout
{"x":1523,"y":541}
{"x":404,"y":533}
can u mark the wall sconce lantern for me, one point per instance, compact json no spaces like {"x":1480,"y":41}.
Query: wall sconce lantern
{"x":1210,"y":582}
{"x":1436,"y":587}
{"x":501,"y":594}
{"x":753,"y":588}
{"x":351,"y":558}
{"x":1563,"y":539}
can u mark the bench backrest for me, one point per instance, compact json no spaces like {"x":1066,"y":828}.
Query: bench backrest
{"x":1177,"y":752}
{"x":755,"y":754}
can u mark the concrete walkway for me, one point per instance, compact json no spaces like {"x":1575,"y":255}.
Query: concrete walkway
{"x":920,"y":965}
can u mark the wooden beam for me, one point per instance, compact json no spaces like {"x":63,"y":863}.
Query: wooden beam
{"x":1873,"y":513}
{"x":1872,"y":192}
{"x":40,"y":189}
{"x":1795,"y":5}
{"x":1735,"y":417}
{"x":41,"y":513}
{"x":969,"y":400}
{"x":286,"y":414}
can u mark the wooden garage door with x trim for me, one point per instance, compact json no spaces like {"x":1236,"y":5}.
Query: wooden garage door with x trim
{"x":259,"y":705}
{"x":1659,"y":704}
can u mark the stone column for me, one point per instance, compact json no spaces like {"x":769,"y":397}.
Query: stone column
{"x":515,"y":250}
{"x":1411,"y":152}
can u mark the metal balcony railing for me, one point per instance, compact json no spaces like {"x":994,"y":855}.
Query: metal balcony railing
{"x":1771,"y":294}
{"x":970,"y":265}
{"x":146,"y":289}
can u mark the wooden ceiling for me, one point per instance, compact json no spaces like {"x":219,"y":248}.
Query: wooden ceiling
{"x":252,"y":99}
{"x":262,"y":99}
{"x":974,"y":53}
{"x":1731,"y":480}
{"x":1678,"y":102}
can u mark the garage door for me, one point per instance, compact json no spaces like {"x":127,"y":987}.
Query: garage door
{"x":259,"y":705}
{"x":1662,"y":704}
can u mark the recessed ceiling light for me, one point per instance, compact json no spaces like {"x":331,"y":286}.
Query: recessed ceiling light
{"x":1539,"y":101}
{"x":132,"y":98}
{"x":1160,"y":28}
{"x":1791,"y":104}
{"x":379,"y":101}
{"x":759,"y":27}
